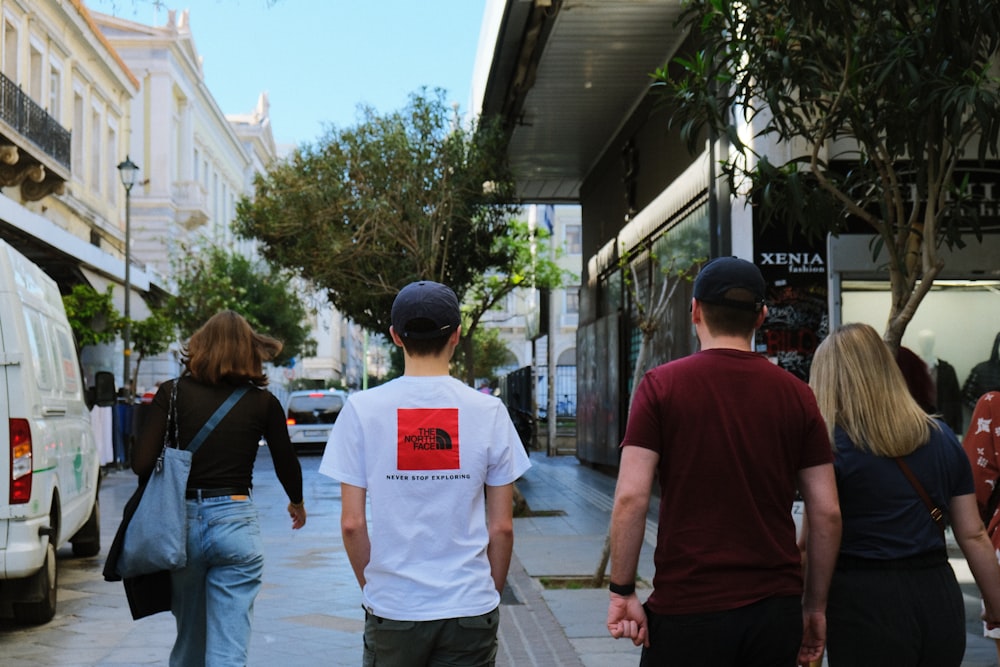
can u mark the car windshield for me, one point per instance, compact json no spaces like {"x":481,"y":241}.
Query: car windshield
{"x":314,"y":408}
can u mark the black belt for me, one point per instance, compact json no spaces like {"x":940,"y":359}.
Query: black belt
{"x":198,"y":494}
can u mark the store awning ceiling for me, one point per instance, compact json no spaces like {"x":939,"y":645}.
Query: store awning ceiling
{"x":566,"y":76}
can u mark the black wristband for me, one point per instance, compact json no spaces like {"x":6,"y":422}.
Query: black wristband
{"x":622,"y":589}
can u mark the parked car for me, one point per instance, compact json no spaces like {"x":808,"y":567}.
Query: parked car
{"x":49,"y":462}
{"x":310,"y":415}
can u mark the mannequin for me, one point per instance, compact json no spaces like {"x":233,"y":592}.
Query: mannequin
{"x":925,"y":347}
{"x":947,"y":389}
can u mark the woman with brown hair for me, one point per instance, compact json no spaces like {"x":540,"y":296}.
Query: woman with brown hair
{"x":213,"y":595}
{"x":894,"y":599}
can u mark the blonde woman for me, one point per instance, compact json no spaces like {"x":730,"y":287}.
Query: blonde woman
{"x":894,"y":599}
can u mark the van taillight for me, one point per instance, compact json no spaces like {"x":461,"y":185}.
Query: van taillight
{"x":20,"y":461}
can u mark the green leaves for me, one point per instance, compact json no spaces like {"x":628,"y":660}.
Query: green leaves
{"x":92,"y":315}
{"x":907,"y":86}
{"x":397,"y":198}
{"x":210,"y":279}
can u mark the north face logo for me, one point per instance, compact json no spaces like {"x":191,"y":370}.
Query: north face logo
{"x":427,"y":439}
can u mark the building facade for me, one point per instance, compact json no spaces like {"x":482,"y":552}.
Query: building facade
{"x":571,"y":81}
{"x":65,"y":124}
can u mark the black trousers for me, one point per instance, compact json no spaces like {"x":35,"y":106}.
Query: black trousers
{"x":905,"y":617}
{"x":763,"y":634}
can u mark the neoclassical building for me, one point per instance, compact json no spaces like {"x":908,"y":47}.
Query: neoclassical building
{"x":65,"y":123}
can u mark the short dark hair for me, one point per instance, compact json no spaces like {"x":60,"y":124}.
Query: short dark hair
{"x":423,"y":347}
{"x":723,"y":320}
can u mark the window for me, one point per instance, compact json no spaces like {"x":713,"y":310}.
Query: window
{"x":572,"y":300}
{"x":574,"y":240}
{"x":111,"y":177}
{"x":67,"y":357}
{"x":55,"y":93}
{"x":35,"y":76}
{"x":77,"y":136}
{"x":95,"y":151}
{"x":44,"y":371}
{"x":10,"y":51}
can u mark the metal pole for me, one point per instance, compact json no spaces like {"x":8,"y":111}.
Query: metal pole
{"x":126,"y":335}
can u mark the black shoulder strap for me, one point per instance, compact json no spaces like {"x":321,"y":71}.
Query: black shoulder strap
{"x":216,"y":417}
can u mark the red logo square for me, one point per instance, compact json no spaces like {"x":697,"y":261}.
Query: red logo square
{"x":427,"y":439}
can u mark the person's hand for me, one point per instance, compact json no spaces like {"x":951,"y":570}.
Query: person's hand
{"x":990,"y":616}
{"x":298,"y":514}
{"x":813,"y":637}
{"x":627,"y":619}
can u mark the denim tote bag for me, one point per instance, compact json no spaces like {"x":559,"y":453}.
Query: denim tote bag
{"x":156,"y":537}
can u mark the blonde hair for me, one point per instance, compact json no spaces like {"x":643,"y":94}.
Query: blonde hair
{"x":227,"y":349}
{"x":859,"y":387}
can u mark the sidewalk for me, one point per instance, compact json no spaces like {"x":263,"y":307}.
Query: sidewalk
{"x":569,"y":544}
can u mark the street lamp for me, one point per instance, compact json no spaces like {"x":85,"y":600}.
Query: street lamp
{"x":129,"y":172}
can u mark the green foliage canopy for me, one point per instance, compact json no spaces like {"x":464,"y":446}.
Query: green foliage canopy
{"x":897,"y":91}
{"x":92,"y":315}
{"x":211,"y":279}
{"x":405,"y":196}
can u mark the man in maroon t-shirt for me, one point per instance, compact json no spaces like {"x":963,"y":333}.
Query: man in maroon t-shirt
{"x":731,"y":438}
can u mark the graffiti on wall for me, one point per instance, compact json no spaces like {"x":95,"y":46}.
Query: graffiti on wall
{"x":798,"y":319}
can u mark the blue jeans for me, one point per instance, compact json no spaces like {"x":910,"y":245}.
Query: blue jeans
{"x":213,"y":595}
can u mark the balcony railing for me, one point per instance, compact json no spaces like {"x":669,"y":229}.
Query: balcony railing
{"x":33,"y":122}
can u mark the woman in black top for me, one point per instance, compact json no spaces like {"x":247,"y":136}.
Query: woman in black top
{"x":213,"y":594}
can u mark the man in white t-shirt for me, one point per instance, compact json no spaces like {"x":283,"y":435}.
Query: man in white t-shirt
{"x":438,"y":460}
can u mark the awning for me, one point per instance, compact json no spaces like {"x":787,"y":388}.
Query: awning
{"x":137,"y":305}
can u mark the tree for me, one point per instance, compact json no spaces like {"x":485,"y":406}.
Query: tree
{"x":211,"y":279}
{"x":406,"y":196}
{"x":92,"y":315}
{"x":876,"y":101}
{"x":490,"y":352}
{"x":150,"y":337}
{"x":651,"y":302}
{"x":529,"y":266}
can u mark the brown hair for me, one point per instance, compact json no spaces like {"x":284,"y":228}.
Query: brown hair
{"x":227,"y":349}
{"x":859,"y":388}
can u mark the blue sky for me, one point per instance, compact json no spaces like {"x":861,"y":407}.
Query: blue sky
{"x":319,"y":59}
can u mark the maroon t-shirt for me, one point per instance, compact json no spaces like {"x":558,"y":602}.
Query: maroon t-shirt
{"x":732,"y":430}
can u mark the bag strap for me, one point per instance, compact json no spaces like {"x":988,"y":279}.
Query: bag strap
{"x":935,"y":511}
{"x":216,"y":417}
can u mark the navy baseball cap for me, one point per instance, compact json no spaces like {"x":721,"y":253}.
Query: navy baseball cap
{"x":722,"y":274}
{"x":424,"y":310}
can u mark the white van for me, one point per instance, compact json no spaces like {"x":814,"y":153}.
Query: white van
{"x":49,"y":466}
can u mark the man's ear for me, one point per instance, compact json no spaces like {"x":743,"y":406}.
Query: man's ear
{"x":760,"y":318}
{"x":395,"y":337}
{"x":695,"y":311}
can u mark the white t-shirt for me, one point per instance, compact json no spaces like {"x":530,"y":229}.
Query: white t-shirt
{"x":424,"y":448}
